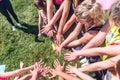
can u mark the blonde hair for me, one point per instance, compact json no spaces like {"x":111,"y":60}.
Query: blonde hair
{"x":91,"y":12}
{"x":114,"y":13}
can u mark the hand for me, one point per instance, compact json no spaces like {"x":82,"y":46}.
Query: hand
{"x":58,"y":50}
{"x":53,"y":72}
{"x":21,"y":64}
{"x":58,"y":39}
{"x":46,"y":29}
{"x":71,"y":69}
{"x":71,"y":56}
{"x":45,"y":71}
{"x":51,"y":33}
{"x":37,"y":68}
{"x":58,"y":66}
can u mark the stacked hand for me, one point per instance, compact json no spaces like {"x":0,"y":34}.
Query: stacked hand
{"x":71,"y":69}
{"x":58,"y":67}
{"x":71,"y":56}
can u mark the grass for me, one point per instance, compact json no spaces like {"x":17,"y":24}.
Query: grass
{"x":22,"y":44}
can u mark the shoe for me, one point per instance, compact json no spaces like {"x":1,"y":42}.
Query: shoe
{"x":84,"y":62}
{"x":13,"y":28}
{"x":19,"y":25}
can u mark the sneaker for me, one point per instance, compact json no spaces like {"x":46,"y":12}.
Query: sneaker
{"x":13,"y":28}
{"x":84,"y":62}
{"x":19,"y":25}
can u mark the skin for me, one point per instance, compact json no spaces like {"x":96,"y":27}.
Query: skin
{"x":59,"y":71}
{"x":16,"y":72}
{"x":111,"y":63}
{"x":83,"y":40}
{"x":64,"y":11}
{"x":96,"y":41}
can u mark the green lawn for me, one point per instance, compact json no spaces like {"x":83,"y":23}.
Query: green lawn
{"x":22,"y":44}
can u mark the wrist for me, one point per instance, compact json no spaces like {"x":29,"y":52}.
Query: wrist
{"x":58,"y":72}
{"x":76,"y":53}
{"x":50,"y":24}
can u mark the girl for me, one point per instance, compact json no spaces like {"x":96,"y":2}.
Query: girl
{"x":42,"y":13}
{"x":112,"y":48}
{"x":90,"y":18}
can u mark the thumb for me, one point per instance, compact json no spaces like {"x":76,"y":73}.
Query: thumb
{"x":73,"y":49}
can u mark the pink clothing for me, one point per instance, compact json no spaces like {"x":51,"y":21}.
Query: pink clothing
{"x":106,"y":3}
{"x":1,"y":0}
{"x":45,"y":20}
{"x":59,"y":2}
{"x":3,"y":79}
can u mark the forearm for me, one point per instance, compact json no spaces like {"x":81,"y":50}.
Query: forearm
{"x":101,"y":65}
{"x":110,"y":50}
{"x":72,"y":35}
{"x":60,"y":78}
{"x":66,"y":76}
{"x":49,"y":9}
{"x":39,"y":22}
{"x":16,"y":73}
{"x":65,"y":13}
{"x":70,"y":38}
{"x":26,"y":77}
{"x":83,"y":40}
{"x":74,"y":43}
{"x":83,"y":76}
{"x":99,"y":38}
{"x":34,"y":76}
{"x":56,"y":16}
{"x":69,"y":23}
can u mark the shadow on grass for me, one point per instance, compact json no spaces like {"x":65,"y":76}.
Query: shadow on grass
{"x":31,"y":29}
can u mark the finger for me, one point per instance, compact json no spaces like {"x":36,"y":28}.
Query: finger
{"x":76,"y":65}
{"x":57,"y":61}
{"x":63,"y":64}
{"x":73,"y":49}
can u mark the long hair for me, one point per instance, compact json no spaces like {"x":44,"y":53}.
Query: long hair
{"x":114,"y":13}
{"x":91,"y":12}
{"x":39,"y":3}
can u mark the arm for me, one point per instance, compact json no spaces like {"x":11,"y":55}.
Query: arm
{"x":49,"y":9}
{"x":73,"y":35}
{"x":36,"y":71}
{"x":66,"y":76}
{"x":56,"y":16}
{"x":26,"y":77}
{"x":110,"y":50}
{"x":83,"y":40}
{"x":60,"y":78}
{"x":69,"y":23}
{"x":54,"y":19}
{"x":74,"y":70}
{"x":63,"y":75}
{"x":101,"y":65}
{"x":66,"y":10}
{"x":99,"y":38}
{"x":34,"y":76}
{"x":39,"y":22}
{"x":113,"y":50}
{"x":83,"y":76}
{"x":16,"y":73}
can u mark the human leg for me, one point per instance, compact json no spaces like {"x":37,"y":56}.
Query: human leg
{"x":5,"y":13}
